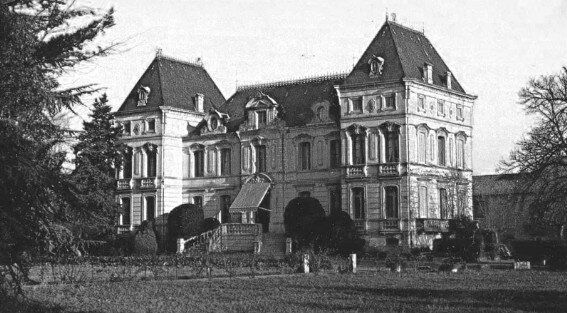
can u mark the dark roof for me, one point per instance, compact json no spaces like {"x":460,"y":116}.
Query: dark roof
{"x":405,"y":52}
{"x":174,"y":83}
{"x":504,"y":184}
{"x":294,"y":97}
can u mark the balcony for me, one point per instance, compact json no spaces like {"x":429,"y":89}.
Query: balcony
{"x":389,"y":225}
{"x":122,"y":229}
{"x":147,"y":183}
{"x":432,"y":225}
{"x":360,"y":226}
{"x":356,"y":171}
{"x":392,"y":169}
{"x":124,"y":184}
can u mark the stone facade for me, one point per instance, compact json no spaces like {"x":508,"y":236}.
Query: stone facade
{"x":386,"y":143}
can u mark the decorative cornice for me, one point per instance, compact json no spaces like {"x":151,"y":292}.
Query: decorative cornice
{"x":306,"y":80}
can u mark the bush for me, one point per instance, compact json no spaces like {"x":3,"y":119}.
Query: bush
{"x":145,"y":241}
{"x":304,"y":221}
{"x":210,"y":223}
{"x":555,"y":252}
{"x":183,"y":221}
{"x":343,"y":237}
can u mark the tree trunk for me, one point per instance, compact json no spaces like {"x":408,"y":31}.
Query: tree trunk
{"x":562,"y":232}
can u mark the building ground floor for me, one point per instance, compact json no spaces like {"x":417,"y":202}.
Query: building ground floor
{"x":397,"y":210}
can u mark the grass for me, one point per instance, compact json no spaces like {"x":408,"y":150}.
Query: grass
{"x":471,"y":291}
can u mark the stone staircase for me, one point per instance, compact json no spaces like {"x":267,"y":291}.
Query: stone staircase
{"x":273,"y":244}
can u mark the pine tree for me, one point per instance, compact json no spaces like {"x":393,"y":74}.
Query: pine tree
{"x":97,"y":156}
{"x":38,"y":44}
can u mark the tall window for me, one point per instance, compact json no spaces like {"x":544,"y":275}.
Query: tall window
{"x":392,"y":146}
{"x":335,"y":201}
{"x":358,"y":203}
{"x":262,"y":118}
{"x":423,"y":203}
{"x":421,"y":103}
{"x":358,"y":155}
{"x":422,"y":147}
{"x":441,"y":157}
{"x":225,"y":205}
{"x":198,"y":200}
{"x":126,"y":207}
{"x":127,"y":164}
{"x":150,"y":208}
{"x":260,"y":158}
{"x":137,"y":162}
{"x":199,"y":164}
{"x":335,"y":153}
{"x":305,"y":156}
{"x":461,"y":201}
{"x":391,"y":199}
{"x":443,"y":204}
{"x":431,"y":148}
{"x":225,"y":161}
{"x":460,"y":153}
{"x":152,"y":162}
{"x":127,"y":128}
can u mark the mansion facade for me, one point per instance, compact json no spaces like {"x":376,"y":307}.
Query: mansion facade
{"x":389,"y":143}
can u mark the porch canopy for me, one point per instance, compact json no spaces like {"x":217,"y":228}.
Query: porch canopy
{"x":250,"y":197}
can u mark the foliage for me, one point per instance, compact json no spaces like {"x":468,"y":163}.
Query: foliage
{"x":460,"y":241}
{"x":97,"y":155}
{"x":343,"y":237}
{"x":541,"y":157}
{"x":184,"y":221}
{"x":553,"y":251}
{"x":304,"y":221}
{"x":37,"y":44}
{"x":145,"y":241}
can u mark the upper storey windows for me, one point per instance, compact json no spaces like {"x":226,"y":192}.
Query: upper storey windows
{"x":438,"y":108}
{"x":370,"y":104}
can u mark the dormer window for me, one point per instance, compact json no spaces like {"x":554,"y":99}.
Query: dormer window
{"x":262,"y":118}
{"x":199,"y":102}
{"x":213,"y":123}
{"x":143,"y":94}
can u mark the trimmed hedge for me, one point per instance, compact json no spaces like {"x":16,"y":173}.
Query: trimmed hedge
{"x":553,"y":251}
{"x":304,"y":221}
{"x":183,"y":221}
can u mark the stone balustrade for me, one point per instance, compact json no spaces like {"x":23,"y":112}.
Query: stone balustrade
{"x":389,"y":169}
{"x":356,"y":170}
{"x":432,"y":225}
{"x":389,"y":225}
{"x":124,"y":184}
{"x":148,"y":183}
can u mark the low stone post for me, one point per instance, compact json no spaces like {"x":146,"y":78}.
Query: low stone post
{"x":180,"y":245}
{"x":352,"y":263}
{"x":288,"y":246}
{"x":306,"y":263}
{"x":257,"y":247}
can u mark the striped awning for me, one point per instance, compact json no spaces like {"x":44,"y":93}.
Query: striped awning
{"x":249,"y":197}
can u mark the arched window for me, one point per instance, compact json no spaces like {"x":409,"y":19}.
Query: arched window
{"x":127,"y":165}
{"x":460,"y":153}
{"x":225,"y":156}
{"x":392,"y":146}
{"x":199,"y":163}
{"x":260,"y":158}
{"x":358,"y":155}
{"x":151,"y":152}
{"x":422,"y":147}
{"x":137,"y":161}
{"x":358,"y":203}
{"x":441,"y":157}
{"x":391,"y":201}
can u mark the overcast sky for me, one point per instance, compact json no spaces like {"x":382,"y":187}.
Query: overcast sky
{"x":492,"y":47}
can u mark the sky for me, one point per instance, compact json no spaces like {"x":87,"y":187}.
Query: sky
{"x":492,"y":47}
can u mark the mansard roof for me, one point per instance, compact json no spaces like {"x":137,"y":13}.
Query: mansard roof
{"x":405,"y":52}
{"x":294,"y":97}
{"x":174,"y":83}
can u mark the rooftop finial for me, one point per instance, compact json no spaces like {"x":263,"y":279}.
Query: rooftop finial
{"x":159,"y":52}
{"x":394,"y":17}
{"x":387,"y":16}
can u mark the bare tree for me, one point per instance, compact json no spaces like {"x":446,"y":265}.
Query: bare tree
{"x":542,"y":155}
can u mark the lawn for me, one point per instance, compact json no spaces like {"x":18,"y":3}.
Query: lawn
{"x":469,"y":291}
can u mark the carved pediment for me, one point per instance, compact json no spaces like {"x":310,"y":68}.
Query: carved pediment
{"x":214,"y":122}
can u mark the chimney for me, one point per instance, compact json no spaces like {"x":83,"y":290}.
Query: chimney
{"x":449,"y":79}
{"x":428,"y":73}
{"x":199,"y":102}
{"x":394,"y":17}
